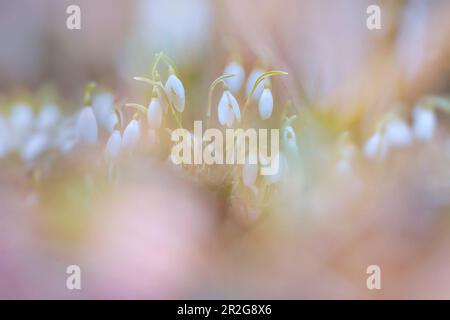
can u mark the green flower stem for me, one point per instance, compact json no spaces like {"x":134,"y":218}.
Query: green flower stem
{"x":211,"y":90}
{"x":166,"y":98}
{"x":257,"y":82}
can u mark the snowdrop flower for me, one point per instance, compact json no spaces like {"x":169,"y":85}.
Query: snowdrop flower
{"x":21,"y":123}
{"x":397,"y":133}
{"x":424,"y":122}
{"x":48,"y":117}
{"x":111,"y":122}
{"x":34,"y":147}
{"x":131,"y":134}
{"x":376,"y":146}
{"x":234,"y":83}
{"x":265,"y":105}
{"x":250,"y":171}
{"x":113,"y":145}
{"x":228,"y":109}
{"x":254,"y":75}
{"x":175,"y":91}
{"x":154,"y":112}
{"x":102,"y":104}
{"x":86,"y":126}
{"x":66,"y":135}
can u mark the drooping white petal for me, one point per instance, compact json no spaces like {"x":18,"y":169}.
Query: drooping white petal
{"x":397,"y":133}
{"x":290,"y":141}
{"x":113,"y":145}
{"x":235,"y":107}
{"x":21,"y":118}
{"x":34,"y":147}
{"x":111,"y":122}
{"x":265,"y":105}
{"x":87,"y":130}
{"x":48,"y":117}
{"x":223,"y":111}
{"x":154,"y":114}
{"x":103,"y":105}
{"x":234,"y":83}
{"x":249,"y":172}
{"x":131,"y":134}
{"x":254,"y":75}
{"x":175,"y":91}
{"x":372,"y":147}
{"x":424,"y":123}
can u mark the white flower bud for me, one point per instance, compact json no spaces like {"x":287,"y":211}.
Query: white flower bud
{"x":290,"y":140}
{"x":424,"y":122}
{"x":154,"y":113}
{"x":103,"y":107}
{"x":228,"y":110}
{"x":87,"y":131}
{"x":113,"y":145}
{"x":234,"y":83}
{"x":34,"y":147}
{"x":397,"y":133}
{"x":48,"y":117}
{"x":265,"y":105}
{"x":175,"y":91}
{"x":131,"y":134}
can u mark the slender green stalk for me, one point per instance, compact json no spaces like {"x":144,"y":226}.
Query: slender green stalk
{"x":210,"y":93}
{"x":257,"y":82}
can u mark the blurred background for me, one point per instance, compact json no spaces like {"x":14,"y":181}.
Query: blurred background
{"x":158,"y":233}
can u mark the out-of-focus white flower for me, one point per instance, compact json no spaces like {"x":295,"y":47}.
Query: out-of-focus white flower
{"x":48,"y":117}
{"x":103,"y":106}
{"x":175,"y":91}
{"x":154,"y":112}
{"x":376,"y":146}
{"x":228,"y":109}
{"x":234,"y":83}
{"x":86,"y":126}
{"x":34,"y":147}
{"x":5,"y":142}
{"x":254,"y":75}
{"x":131,"y":134}
{"x":397,"y":133}
{"x":21,"y":124}
{"x":424,"y":122}
{"x":249,"y":172}
{"x":290,"y":140}
{"x":265,"y":105}
{"x":66,"y":136}
{"x":111,"y":122}
{"x":113,"y":145}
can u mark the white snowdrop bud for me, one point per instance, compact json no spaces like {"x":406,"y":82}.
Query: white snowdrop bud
{"x":131,"y":134}
{"x":372,"y":146}
{"x":154,"y":112}
{"x":175,"y":91}
{"x":34,"y":147}
{"x":234,"y":83}
{"x":265,"y":105}
{"x":103,"y":105}
{"x":113,"y":145}
{"x":254,"y":75}
{"x":397,"y":133}
{"x":111,"y":122}
{"x":424,"y":122}
{"x":249,"y":172}
{"x":87,"y":131}
{"x":48,"y":117}
{"x":228,"y":110}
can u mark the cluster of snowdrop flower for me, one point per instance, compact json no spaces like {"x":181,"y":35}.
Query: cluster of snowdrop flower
{"x":394,"y":132}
